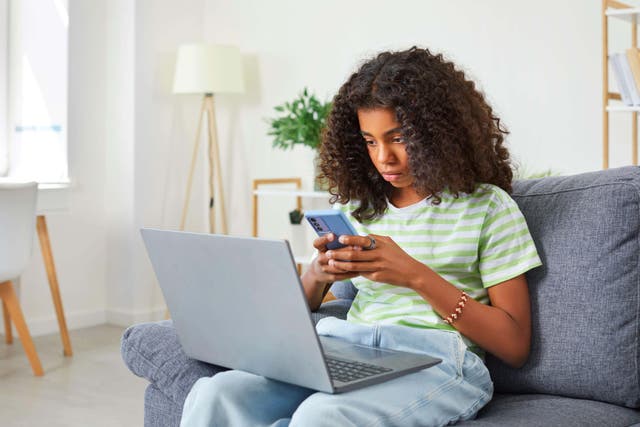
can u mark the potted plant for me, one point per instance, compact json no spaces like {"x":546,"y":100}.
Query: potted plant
{"x":299,"y":122}
{"x":297,"y":235}
{"x":296,"y":216}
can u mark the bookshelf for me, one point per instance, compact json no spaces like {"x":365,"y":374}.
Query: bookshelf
{"x":612,"y":9}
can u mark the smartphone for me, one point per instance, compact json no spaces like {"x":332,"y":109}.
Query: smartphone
{"x":330,"y":221}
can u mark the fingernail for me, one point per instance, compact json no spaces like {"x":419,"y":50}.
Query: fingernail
{"x":341,"y":239}
{"x":329,"y":254}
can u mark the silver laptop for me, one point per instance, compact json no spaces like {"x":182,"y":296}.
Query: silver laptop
{"x":239,"y":303}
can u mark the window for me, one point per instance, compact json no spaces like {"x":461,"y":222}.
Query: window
{"x":37,"y":89}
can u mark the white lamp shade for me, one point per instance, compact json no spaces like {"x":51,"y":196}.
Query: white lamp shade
{"x":206,"y":68}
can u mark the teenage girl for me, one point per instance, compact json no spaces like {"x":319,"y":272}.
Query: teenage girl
{"x":415,"y":154}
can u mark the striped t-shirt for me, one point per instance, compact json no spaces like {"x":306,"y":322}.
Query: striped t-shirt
{"x":474,"y":241}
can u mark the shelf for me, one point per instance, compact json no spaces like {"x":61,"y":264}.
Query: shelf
{"x":626,"y":14}
{"x":622,"y":108}
{"x":293,"y":193}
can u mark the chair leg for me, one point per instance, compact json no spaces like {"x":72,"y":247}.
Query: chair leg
{"x":8,"y":334}
{"x":10,"y":300}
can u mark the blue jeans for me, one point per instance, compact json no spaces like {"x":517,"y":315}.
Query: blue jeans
{"x":453,"y":390}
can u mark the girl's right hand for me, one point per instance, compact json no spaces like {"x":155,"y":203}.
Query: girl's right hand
{"x":322,"y":272}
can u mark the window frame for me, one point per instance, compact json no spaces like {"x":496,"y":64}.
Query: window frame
{"x":4,"y":88}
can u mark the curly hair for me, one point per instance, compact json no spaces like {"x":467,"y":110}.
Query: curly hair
{"x":453,"y":139}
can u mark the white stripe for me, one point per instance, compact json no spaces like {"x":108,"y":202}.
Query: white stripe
{"x":510,"y":272}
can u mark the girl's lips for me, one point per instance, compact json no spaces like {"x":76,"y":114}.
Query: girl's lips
{"x":391,"y":176}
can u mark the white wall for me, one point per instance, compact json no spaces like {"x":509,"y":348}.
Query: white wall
{"x":130,"y":139}
{"x":149,"y":141}
{"x":537,"y":62}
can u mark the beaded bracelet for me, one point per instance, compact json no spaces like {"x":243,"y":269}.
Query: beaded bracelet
{"x":458,"y":311}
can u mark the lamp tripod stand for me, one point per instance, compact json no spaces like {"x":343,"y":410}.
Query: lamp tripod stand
{"x":215,"y":174}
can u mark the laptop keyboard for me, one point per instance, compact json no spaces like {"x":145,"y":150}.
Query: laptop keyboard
{"x":347,"y":371}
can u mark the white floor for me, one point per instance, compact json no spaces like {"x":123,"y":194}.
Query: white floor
{"x":91,"y":388}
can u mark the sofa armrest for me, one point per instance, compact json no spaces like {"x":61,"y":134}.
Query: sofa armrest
{"x":152,"y":351}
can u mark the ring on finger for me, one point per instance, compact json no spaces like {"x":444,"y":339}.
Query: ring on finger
{"x":372,"y":244}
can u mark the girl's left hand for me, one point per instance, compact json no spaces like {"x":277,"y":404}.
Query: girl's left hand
{"x":386,"y":263}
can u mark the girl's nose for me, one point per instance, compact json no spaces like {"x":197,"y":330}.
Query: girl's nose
{"x":385,"y":154}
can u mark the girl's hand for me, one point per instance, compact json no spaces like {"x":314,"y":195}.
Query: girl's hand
{"x":386,"y":262}
{"x":321,"y":270}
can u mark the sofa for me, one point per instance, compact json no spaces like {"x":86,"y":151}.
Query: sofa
{"x":584,"y":365}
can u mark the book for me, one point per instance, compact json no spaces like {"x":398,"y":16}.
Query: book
{"x":628,"y":79}
{"x":616,"y":67}
{"x":633,"y":57}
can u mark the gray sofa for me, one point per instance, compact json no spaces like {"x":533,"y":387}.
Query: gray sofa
{"x":584,"y":366}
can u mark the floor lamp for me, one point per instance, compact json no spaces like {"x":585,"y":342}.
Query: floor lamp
{"x":206,"y":70}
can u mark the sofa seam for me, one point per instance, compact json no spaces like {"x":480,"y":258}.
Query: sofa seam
{"x":142,"y":355}
{"x":570,"y":190}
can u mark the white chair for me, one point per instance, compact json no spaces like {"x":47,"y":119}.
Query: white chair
{"x":17,"y":224}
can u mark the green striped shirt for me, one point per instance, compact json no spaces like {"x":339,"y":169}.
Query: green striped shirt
{"x":474,"y":241}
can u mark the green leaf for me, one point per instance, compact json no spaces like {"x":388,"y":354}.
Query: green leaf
{"x":299,"y":121}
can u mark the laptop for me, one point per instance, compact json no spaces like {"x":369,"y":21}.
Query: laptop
{"x":238,"y":302}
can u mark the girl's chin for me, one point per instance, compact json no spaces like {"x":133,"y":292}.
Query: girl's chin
{"x":401,"y":183}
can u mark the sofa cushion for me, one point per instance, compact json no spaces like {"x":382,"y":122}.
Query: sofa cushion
{"x":535,"y":410}
{"x":344,"y":290}
{"x":584,"y":299}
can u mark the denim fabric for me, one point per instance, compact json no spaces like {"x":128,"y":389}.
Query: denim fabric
{"x":585,"y":297}
{"x":453,"y":390}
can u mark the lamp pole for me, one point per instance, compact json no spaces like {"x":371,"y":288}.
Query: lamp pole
{"x":215,"y":170}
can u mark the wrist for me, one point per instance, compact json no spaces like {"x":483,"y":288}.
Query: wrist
{"x":313,"y":279}
{"x":420,"y":278}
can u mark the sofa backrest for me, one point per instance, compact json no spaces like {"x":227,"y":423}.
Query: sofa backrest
{"x":585,"y":298}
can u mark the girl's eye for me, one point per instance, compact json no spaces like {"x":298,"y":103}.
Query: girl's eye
{"x":397,"y":139}
{"x":370,"y":142}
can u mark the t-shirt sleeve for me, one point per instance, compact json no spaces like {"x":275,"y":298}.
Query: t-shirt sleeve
{"x":506,"y":248}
